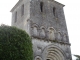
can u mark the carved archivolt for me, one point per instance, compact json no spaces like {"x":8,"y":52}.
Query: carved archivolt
{"x":38,"y":58}
{"x":53,"y":52}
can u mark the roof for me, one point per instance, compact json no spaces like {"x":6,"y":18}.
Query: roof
{"x":22,"y":0}
{"x":59,"y":3}
{"x":16,"y":5}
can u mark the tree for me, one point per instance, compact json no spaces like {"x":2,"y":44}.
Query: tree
{"x":78,"y":57}
{"x":15,"y":44}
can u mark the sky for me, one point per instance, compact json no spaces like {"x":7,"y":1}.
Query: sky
{"x":72,"y":16}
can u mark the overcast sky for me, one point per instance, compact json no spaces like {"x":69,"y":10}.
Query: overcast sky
{"x":72,"y":15}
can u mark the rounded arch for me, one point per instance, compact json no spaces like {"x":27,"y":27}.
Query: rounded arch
{"x":35,"y":25}
{"x":38,"y":58}
{"x":42,"y":27}
{"x":53,"y":52}
{"x":51,"y":28}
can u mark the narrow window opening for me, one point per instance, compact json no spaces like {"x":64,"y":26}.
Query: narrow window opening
{"x":47,"y":59}
{"x":41,"y":6}
{"x":15,"y":16}
{"x":22,"y":10}
{"x":54,"y":10}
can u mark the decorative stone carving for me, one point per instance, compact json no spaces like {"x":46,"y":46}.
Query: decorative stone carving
{"x":35,"y":32}
{"x":39,"y":48}
{"x":42,"y":32}
{"x":59,"y":36}
{"x":48,"y":13}
{"x":51,"y":34}
{"x":53,"y":52}
{"x":38,"y":58}
{"x":65,"y":38}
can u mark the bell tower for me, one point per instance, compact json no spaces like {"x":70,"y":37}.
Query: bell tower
{"x":44,"y":21}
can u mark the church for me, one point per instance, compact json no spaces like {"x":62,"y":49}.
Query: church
{"x":44,"y":21}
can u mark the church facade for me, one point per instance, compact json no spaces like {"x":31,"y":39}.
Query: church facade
{"x":44,"y":21}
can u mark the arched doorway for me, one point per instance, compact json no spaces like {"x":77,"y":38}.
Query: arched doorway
{"x":53,"y":52}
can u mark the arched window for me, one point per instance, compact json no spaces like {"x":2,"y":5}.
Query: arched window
{"x":41,"y":6}
{"x":22,"y":10}
{"x":54,"y":11}
{"x":15,"y":17}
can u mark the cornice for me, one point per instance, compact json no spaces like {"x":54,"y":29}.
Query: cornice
{"x":59,"y":3}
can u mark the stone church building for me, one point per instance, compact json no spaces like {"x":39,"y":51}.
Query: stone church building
{"x":44,"y":21}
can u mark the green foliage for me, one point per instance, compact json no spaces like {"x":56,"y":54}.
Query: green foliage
{"x":78,"y":57}
{"x":15,"y":44}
